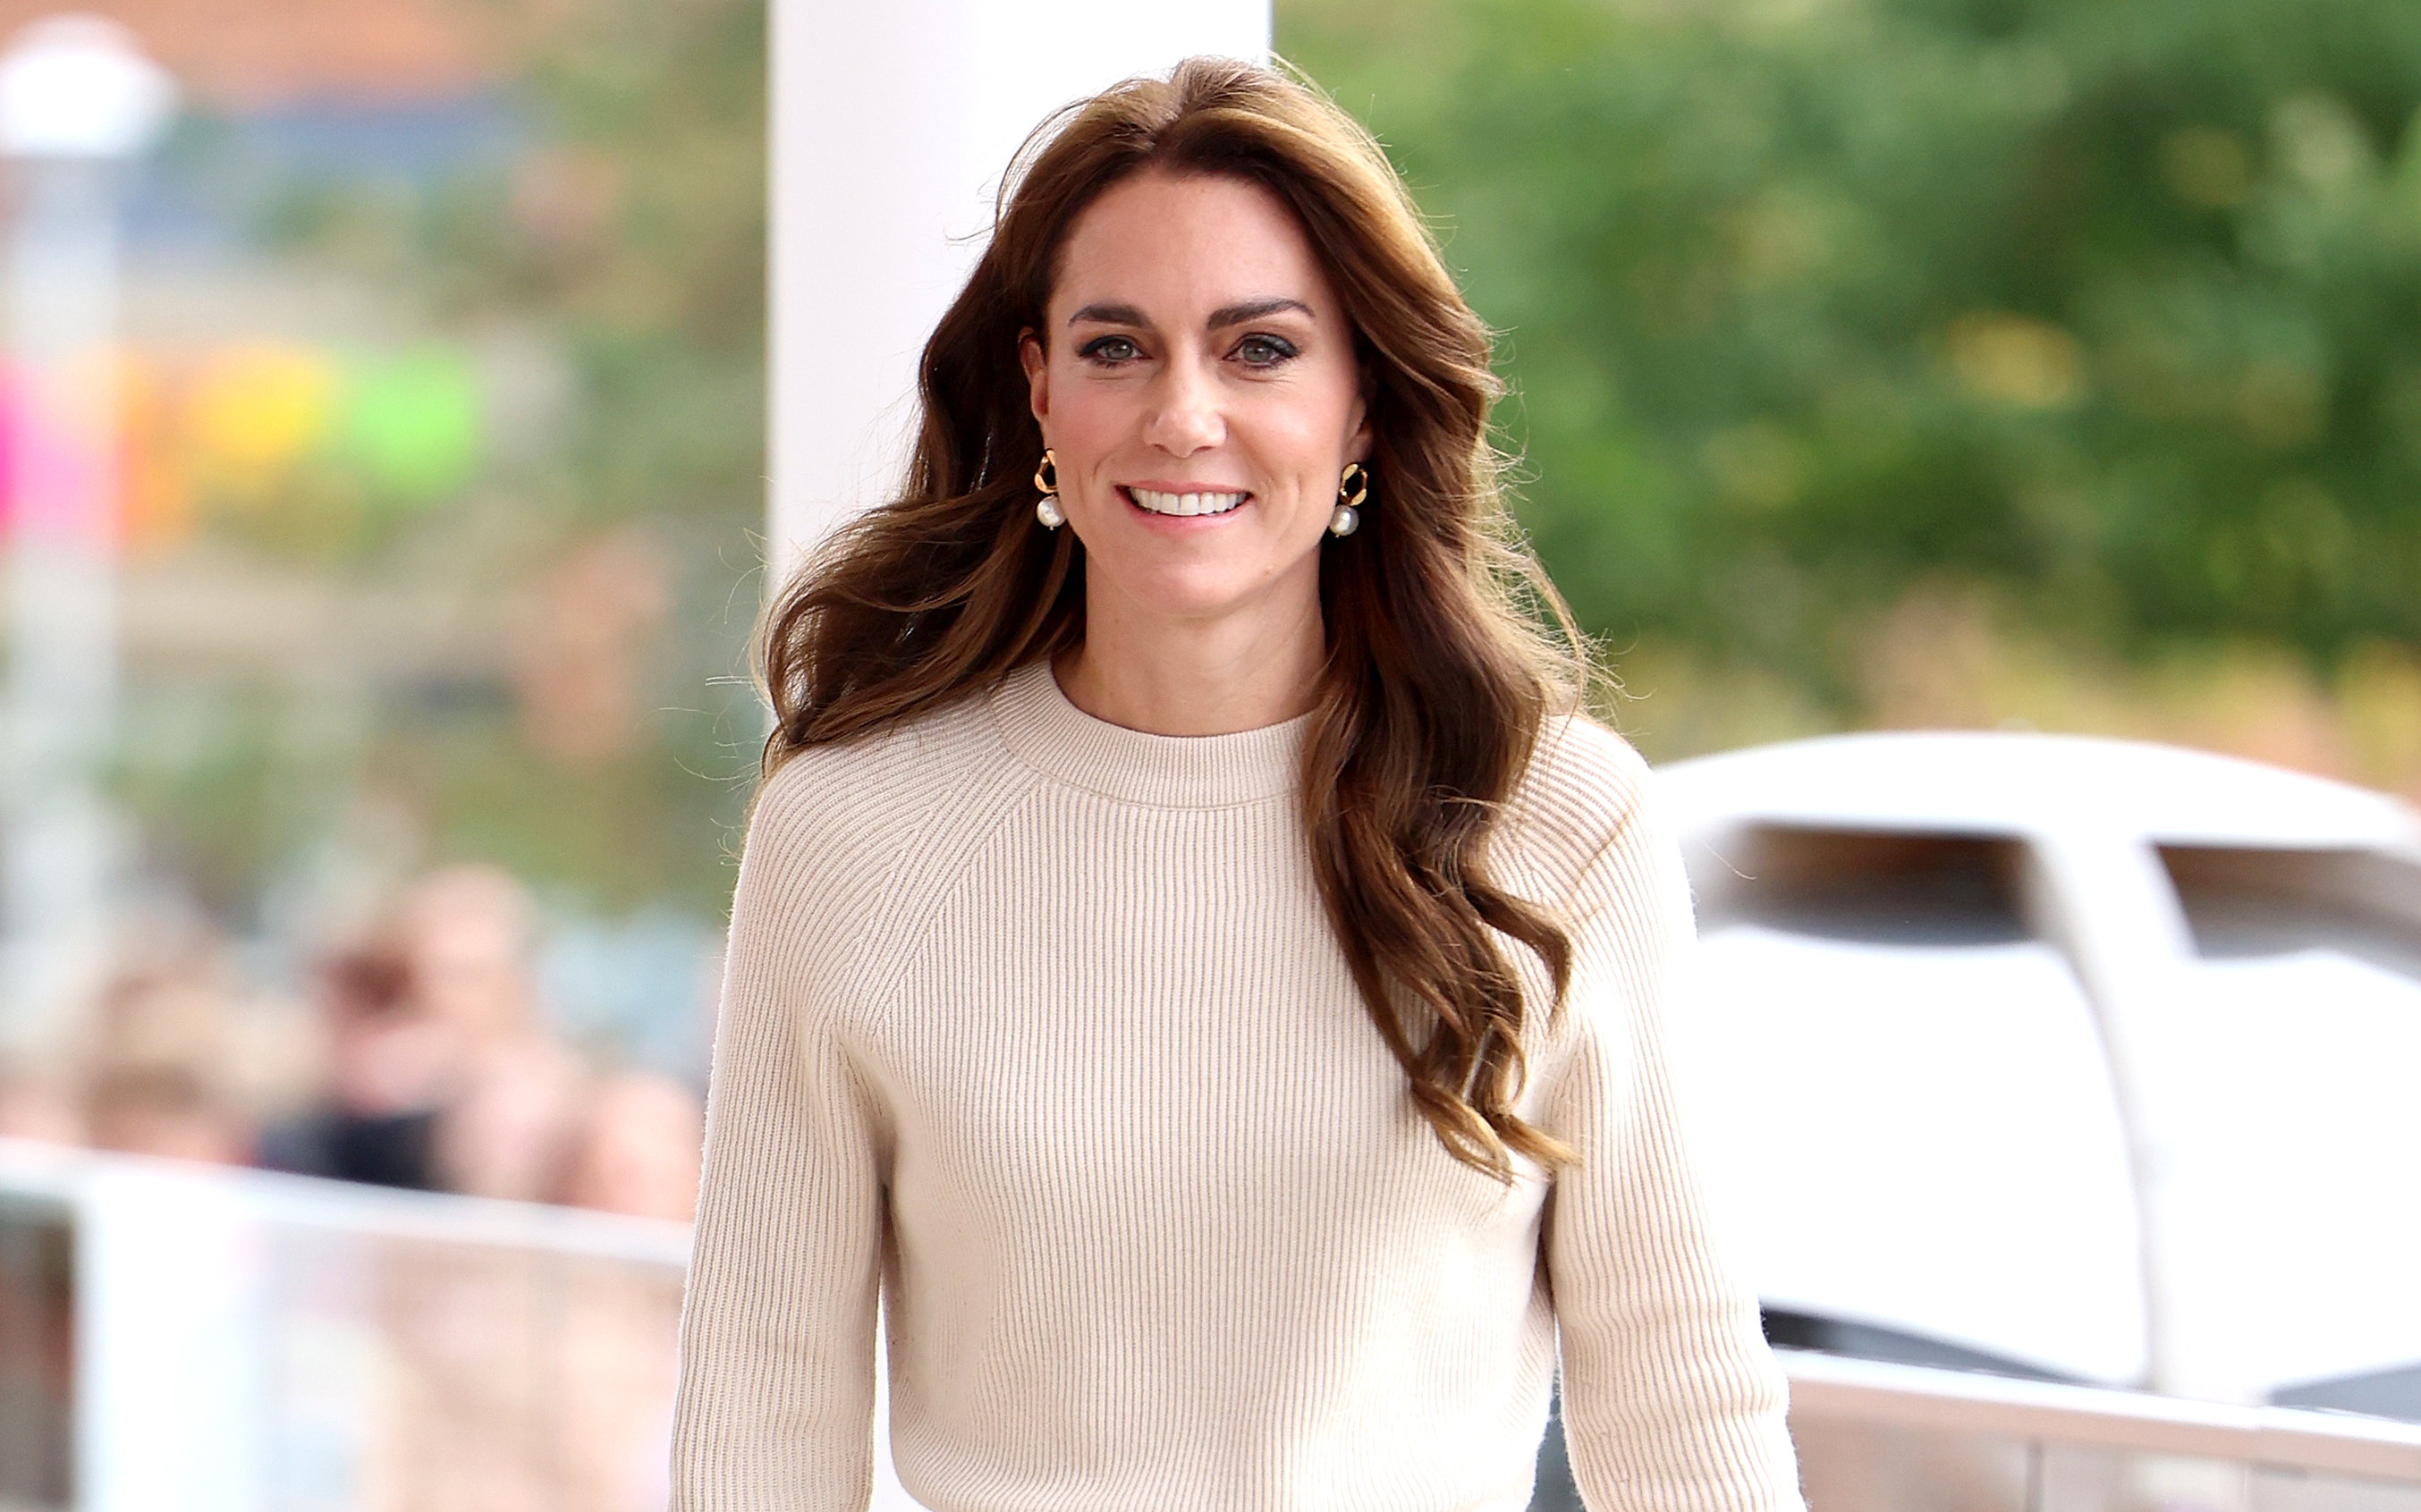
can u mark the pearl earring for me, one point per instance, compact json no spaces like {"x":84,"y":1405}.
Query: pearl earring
{"x":1046,"y":482}
{"x":1352,"y":487}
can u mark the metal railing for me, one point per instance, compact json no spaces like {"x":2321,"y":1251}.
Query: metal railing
{"x":232,"y":1341}
{"x":1889,"y":1438}
{"x":178,"y":1339}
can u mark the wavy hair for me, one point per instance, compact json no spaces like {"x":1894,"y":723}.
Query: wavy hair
{"x":1447,"y":649}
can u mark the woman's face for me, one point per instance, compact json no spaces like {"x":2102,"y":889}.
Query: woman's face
{"x":1198,"y":385}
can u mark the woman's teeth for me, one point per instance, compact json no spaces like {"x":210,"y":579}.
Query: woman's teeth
{"x":1185,"y":503}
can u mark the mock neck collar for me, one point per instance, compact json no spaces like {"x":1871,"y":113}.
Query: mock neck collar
{"x":1061,"y":740}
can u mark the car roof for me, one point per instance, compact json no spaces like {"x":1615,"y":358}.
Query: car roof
{"x":2012,"y":783}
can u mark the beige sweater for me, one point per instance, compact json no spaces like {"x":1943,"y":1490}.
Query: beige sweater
{"x":1035,"y":1026}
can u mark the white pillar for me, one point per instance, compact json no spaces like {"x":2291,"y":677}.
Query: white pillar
{"x":77,"y":101}
{"x":892,"y":124}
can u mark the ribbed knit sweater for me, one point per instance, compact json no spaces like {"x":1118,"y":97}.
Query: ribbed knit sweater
{"x":1035,"y":1029}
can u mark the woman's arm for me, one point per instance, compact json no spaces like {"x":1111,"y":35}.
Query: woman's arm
{"x":776,"y":1402}
{"x":1672,"y":1401}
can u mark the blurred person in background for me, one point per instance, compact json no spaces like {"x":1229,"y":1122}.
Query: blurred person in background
{"x":161,"y":1078}
{"x":37,"y":1104}
{"x":507,"y":1132}
{"x":391,"y":1066}
{"x":441,"y":1075}
{"x":636,"y":1149}
{"x":467,"y":934}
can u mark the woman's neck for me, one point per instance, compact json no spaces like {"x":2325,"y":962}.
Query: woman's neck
{"x":1214,"y":676}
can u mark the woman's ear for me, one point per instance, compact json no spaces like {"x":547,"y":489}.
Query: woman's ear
{"x":1037,"y":373}
{"x":1358,"y":443}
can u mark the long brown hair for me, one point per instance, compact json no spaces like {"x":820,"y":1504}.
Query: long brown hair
{"x":1440,"y":672}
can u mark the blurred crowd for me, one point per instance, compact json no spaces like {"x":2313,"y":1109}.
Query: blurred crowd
{"x":419,"y":1059}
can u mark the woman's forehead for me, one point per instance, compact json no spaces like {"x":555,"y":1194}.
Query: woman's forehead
{"x":1177,"y":248}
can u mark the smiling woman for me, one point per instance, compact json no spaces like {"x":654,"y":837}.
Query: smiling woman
{"x":1200,"y":404}
{"x":1192,"y":968}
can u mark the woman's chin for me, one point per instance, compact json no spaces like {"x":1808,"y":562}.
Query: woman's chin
{"x":1204,"y":590}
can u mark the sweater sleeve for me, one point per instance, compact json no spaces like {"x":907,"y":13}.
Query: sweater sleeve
{"x":776,"y":1405}
{"x":1671,"y":1401}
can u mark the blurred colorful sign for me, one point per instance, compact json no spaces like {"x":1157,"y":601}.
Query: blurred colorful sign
{"x":236,"y":427}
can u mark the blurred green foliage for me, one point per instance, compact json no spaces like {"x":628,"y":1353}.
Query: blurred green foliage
{"x":2111,"y":310}
{"x":634,"y":234}
{"x":603,"y":749}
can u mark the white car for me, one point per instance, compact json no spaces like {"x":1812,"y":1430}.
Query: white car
{"x":2080,"y":1059}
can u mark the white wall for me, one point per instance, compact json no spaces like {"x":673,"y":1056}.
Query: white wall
{"x":893,"y":120}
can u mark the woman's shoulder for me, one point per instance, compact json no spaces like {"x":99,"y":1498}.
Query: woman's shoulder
{"x":1584,"y":790}
{"x":881,"y":794}
{"x":851,"y":842}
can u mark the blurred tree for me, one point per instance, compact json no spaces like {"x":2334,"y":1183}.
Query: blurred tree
{"x":620,"y":236}
{"x":636,"y":233}
{"x":2114,"y":311}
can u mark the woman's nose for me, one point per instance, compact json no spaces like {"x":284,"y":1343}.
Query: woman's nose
{"x":1185,"y":417}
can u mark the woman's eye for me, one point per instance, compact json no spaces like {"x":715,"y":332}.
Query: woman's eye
{"x":1264,"y":352}
{"x":1110,"y":350}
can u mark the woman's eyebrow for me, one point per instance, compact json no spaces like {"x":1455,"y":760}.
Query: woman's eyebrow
{"x":1253,"y":311}
{"x":1224,"y":316}
{"x":1109,"y":315}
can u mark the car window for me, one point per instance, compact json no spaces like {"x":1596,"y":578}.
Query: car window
{"x":2249,"y":904}
{"x":1844,"y":885}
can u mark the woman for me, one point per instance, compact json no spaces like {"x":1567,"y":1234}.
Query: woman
{"x":1186,"y":962}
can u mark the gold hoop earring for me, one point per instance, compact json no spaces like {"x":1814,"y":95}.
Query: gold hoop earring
{"x":1352,"y":487}
{"x":1046,"y":482}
